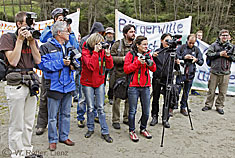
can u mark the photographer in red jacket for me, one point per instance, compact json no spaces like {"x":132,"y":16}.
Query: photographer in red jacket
{"x":137,"y":64}
{"x":95,"y":59}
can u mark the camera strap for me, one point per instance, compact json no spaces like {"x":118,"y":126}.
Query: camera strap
{"x":101,"y":65}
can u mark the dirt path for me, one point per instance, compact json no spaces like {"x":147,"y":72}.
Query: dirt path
{"x":213,"y":136}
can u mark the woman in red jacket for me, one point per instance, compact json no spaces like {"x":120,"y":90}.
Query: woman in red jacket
{"x":94,"y":61}
{"x":137,"y":64}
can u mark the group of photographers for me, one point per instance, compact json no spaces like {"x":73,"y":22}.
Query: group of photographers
{"x":129,"y":58}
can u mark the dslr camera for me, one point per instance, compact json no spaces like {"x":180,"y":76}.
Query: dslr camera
{"x":105,"y":45}
{"x":174,"y":42}
{"x":146,"y":57}
{"x":227,"y":46}
{"x":30,"y":16}
{"x":75,"y":58}
{"x":65,"y":13}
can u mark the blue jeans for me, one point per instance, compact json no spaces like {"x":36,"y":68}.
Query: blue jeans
{"x":63,"y":106}
{"x":133,"y":95}
{"x":95,"y":97}
{"x":187,"y":86}
{"x":81,"y":107}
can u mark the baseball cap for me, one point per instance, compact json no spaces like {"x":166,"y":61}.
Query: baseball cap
{"x":109,"y":30}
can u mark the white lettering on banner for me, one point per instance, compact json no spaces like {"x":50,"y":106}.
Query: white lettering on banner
{"x":11,"y":27}
{"x":153,"y":31}
{"x":202,"y":75}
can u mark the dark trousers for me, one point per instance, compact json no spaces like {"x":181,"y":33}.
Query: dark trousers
{"x":157,"y":86}
{"x":42,"y":119}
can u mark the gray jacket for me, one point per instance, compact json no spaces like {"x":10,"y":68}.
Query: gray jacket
{"x":220,"y":65}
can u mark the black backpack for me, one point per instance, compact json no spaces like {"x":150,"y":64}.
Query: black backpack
{"x":4,"y":62}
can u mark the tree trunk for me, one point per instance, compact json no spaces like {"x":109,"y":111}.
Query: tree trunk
{"x":116,"y":4}
{"x":13,"y":8}
{"x":229,"y":5}
{"x":89,"y":15}
{"x":175,"y":9}
{"x":135,"y":6}
{"x":198,"y":12}
{"x":20,"y":5}
{"x":140,"y":8}
{"x":5,"y":14}
{"x":155,"y":10}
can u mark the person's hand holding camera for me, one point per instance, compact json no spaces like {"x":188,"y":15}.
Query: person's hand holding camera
{"x":224,"y":54}
{"x":194,"y":59}
{"x":142,"y":61}
{"x":98,"y":47}
{"x":66,"y":62}
{"x":22,"y":32}
{"x":188,"y":56}
{"x":155,"y":54}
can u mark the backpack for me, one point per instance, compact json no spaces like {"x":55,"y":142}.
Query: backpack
{"x":4,"y":62}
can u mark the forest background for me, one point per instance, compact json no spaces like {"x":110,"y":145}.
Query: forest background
{"x":210,"y":16}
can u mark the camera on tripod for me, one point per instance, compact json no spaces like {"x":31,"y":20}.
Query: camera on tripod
{"x":174,"y":42}
{"x":65,"y":13}
{"x":146,"y":57}
{"x":30,"y":16}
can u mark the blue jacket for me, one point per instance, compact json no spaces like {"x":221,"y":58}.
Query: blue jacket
{"x":47,"y":35}
{"x":60,"y":77}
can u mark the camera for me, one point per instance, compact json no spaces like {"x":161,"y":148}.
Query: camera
{"x":75,"y":58}
{"x":174,"y":42}
{"x":30,"y":16}
{"x":227,"y":46}
{"x":146,"y":57}
{"x":104,"y":45}
{"x":65,"y":13}
{"x":34,"y":87}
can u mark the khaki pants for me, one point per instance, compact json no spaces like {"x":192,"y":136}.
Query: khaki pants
{"x":22,"y":109}
{"x":116,"y":110}
{"x":222,"y":82}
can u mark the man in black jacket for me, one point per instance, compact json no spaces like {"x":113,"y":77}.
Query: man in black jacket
{"x":191,"y":55}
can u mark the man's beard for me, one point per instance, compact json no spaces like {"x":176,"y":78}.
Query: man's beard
{"x":130,"y":38}
{"x":109,"y":38}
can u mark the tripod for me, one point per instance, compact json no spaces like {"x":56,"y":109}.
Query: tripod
{"x":169,"y":83}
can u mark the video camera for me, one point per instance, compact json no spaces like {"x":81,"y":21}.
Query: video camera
{"x":30,"y":16}
{"x":65,"y":13}
{"x":75,"y":58}
{"x":174,"y":42}
{"x":146,"y":57}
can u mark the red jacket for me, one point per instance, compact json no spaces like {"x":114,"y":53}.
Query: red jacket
{"x":92,"y":70}
{"x":134,"y":67}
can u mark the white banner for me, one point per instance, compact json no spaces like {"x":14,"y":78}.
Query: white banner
{"x":200,"y":81}
{"x":11,"y":27}
{"x":152,"y":31}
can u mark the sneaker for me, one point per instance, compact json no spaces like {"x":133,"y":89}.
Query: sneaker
{"x":97,"y":120}
{"x":81,"y":124}
{"x":183,"y":112}
{"x":107,"y":138}
{"x":154,"y":121}
{"x":145,"y":133}
{"x":40,"y":131}
{"x":206,"y":108}
{"x":116,"y":125}
{"x":88,"y":134}
{"x":134,"y":136}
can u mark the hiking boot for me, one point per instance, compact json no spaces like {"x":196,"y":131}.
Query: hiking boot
{"x":97,"y":120}
{"x":184,"y":112}
{"x":220,"y":111}
{"x":146,"y":134}
{"x":40,"y":131}
{"x":116,"y":125}
{"x":134,"y":136}
{"x":154,"y":120}
{"x":107,"y":138}
{"x":206,"y":108}
{"x":88,"y":134}
{"x":81,"y":124}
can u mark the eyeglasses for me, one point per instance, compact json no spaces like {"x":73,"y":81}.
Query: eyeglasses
{"x":225,"y":35}
{"x":65,"y":31}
